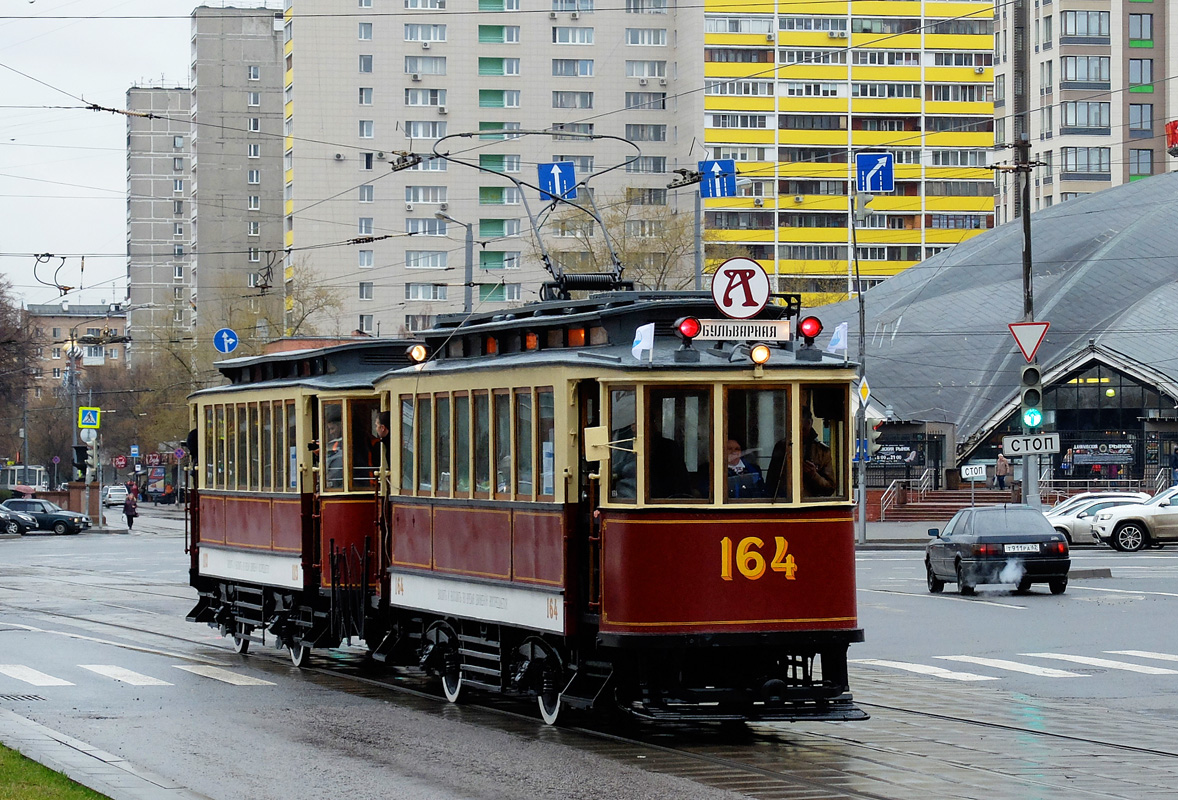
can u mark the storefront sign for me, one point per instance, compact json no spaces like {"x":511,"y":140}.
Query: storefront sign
{"x":1105,"y":453}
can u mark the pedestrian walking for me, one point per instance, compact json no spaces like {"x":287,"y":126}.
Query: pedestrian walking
{"x":130,"y":510}
{"x":1174,"y":465}
{"x":1001,"y":470}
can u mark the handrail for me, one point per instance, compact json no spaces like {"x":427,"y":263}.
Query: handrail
{"x":888,"y":499}
{"x":1162,"y":481}
{"x":926,"y":483}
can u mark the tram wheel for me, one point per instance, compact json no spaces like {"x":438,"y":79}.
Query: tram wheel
{"x":962,"y":585}
{"x":452,"y":683}
{"x":241,"y":641}
{"x":300,"y":655}
{"x":935,"y":584}
{"x":1130,"y":537}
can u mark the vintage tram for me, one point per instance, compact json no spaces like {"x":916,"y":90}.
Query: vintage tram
{"x":555,"y":512}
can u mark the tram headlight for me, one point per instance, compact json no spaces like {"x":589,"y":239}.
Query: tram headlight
{"x":688,"y":328}
{"x":417,"y":353}
{"x":809,"y":328}
{"x":760,"y":353}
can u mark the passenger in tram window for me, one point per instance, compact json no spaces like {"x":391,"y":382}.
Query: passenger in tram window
{"x":669,"y":477}
{"x":623,"y":480}
{"x":744,"y":476}
{"x":817,"y":468}
{"x":335,"y":455}
{"x":380,"y":444}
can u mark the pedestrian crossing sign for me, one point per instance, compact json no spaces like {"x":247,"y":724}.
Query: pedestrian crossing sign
{"x":88,"y":417}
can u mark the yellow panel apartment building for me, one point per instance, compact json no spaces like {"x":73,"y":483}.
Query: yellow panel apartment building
{"x":793,"y":92}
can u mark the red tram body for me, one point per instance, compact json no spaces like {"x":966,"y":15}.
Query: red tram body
{"x":549,"y":515}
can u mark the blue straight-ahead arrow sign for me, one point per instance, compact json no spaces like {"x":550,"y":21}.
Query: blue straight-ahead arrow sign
{"x":558,"y":179}
{"x":717,"y":178}
{"x":874,"y":172}
{"x":225,"y":340}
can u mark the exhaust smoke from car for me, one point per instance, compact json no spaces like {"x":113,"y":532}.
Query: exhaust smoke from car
{"x":1013,"y":571}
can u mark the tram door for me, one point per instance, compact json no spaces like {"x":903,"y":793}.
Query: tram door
{"x":588,"y":527}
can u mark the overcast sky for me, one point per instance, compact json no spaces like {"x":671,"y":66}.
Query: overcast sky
{"x":63,"y":171}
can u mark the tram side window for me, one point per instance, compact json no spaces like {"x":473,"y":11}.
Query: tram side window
{"x":679,"y":444}
{"x":523,"y":443}
{"x":547,"y":437}
{"x":824,"y":442}
{"x":279,"y":454}
{"x":462,"y":445}
{"x":623,"y":456}
{"x":406,"y":443}
{"x":292,"y":447}
{"x":267,"y":452}
{"x":255,"y":449}
{"x":442,"y":440}
{"x":502,"y":444}
{"x":756,"y":446}
{"x":242,"y":447}
{"x":482,"y":443}
{"x":425,"y":426}
{"x":230,"y":448}
{"x":363,"y":443}
{"x":210,"y":459}
{"x":333,"y":447}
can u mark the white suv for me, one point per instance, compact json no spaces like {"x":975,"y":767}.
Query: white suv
{"x":1132,"y":527}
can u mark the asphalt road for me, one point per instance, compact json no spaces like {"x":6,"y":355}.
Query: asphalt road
{"x":93,"y":643}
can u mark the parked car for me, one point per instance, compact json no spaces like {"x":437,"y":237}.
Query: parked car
{"x":49,"y":516}
{"x":14,"y":522}
{"x":997,"y":544}
{"x":114,"y":496}
{"x":1130,"y":528}
{"x":1077,"y":520}
{"x":1069,"y":505}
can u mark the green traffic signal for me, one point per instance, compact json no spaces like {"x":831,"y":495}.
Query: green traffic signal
{"x":1032,"y":417}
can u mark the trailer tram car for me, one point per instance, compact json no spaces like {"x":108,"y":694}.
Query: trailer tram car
{"x":669,"y":535}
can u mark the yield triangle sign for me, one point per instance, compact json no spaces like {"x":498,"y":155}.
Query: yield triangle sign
{"x":1029,"y":335}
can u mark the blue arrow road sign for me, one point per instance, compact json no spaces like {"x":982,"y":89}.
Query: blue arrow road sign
{"x":558,"y":179}
{"x":717,"y":178}
{"x":225,"y":340}
{"x":874,"y":172}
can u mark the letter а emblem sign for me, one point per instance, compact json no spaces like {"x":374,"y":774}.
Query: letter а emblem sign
{"x":740,"y":288}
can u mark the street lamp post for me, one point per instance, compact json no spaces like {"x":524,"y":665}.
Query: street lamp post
{"x":468,"y":280}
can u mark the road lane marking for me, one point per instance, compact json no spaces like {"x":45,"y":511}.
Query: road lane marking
{"x":1144,"y":654}
{"x":1015,"y":666}
{"x":1123,"y":591}
{"x":938,"y":596}
{"x":923,"y":669}
{"x":218,"y":674}
{"x":1107,"y":663}
{"x":124,"y":675}
{"x":30,"y":675}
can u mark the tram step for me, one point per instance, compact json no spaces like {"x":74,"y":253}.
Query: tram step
{"x":475,"y":668}
{"x":481,"y":655}
{"x":239,"y":605}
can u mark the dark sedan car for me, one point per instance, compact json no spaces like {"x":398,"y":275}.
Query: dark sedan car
{"x":16,"y":522}
{"x":997,"y":544}
{"x":50,"y":516}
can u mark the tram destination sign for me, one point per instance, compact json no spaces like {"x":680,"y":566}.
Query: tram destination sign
{"x":738,"y":330}
{"x":1031,"y":444}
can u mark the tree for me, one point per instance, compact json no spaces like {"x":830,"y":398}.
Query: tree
{"x":18,"y":349}
{"x":310,"y":304}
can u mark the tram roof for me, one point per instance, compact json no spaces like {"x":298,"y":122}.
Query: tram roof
{"x":342,"y":366}
{"x":938,"y":346}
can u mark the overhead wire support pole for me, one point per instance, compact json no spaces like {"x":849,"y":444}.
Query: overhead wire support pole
{"x":863,"y":449}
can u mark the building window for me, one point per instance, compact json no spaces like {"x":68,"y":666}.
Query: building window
{"x":178,"y":164}
{"x":572,"y":67}
{"x":425,"y":65}
{"x":365,"y":325}
{"x":426,"y":259}
{"x":365,"y":260}
{"x":425,"y":291}
{"x":646,"y":197}
{"x":499,"y":34}
{"x":1141,"y":117}
{"x":365,"y":226}
{"x":177,"y":272}
{"x":1086,"y":115}
{"x":1140,"y":72}
{"x":498,"y":66}
{"x":365,"y":96}
{"x":425,"y":226}
{"x":1140,"y":162}
{"x":419,"y":322}
{"x":177,"y":185}
{"x":1086,"y":68}
{"x":255,"y":255}
{"x":425,"y":97}
{"x":572,"y":99}
{"x":646,"y":133}
{"x":254,"y":72}
{"x":253,"y":203}
{"x":498,"y":292}
{"x":647,"y":100}
{"x":572,"y":5}
{"x":56,"y":352}
{"x":253,"y":98}
{"x":425,"y":194}
{"x":1141,"y":26}
{"x":648,"y":164}
{"x":656,"y":37}
{"x":366,"y":64}
{"x":365,"y":290}
{"x":425,"y":33}
{"x":177,"y":229}
{"x":253,"y":150}
{"x":57,"y":372}
{"x":1086,"y":159}
{"x":254,"y":124}
{"x":367,"y":193}
{"x":253,"y":228}
{"x":365,"y":31}
{"x":178,"y":250}
{"x":178,"y":207}
{"x":367,"y":129}
{"x":499,"y":98}
{"x":366,"y":160}
{"x":254,"y":176}
{"x":1085,"y":23}
{"x":177,"y":141}
{"x":564,"y":35}
{"x":425,"y":129}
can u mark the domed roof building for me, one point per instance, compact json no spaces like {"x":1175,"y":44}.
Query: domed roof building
{"x":940,"y":356}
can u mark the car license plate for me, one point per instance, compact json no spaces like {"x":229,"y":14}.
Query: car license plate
{"x":1021,"y":548}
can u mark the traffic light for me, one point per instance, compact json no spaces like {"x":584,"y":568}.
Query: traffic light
{"x":1031,"y":396}
{"x":81,"y":451}
{"x":808,"y":329}
{"x":92,"y":458}
{"x":874,"y":431}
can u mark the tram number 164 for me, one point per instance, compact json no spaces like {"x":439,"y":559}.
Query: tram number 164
{"x":750,"y":562}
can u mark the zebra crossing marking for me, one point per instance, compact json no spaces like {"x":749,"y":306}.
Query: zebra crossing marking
{"x":124,"y":675}
{"x":923,"y":669}
{"x":1144,"y":654}
{"x":224,"y":675}
{"x":1015,"y":666}
{"x":29,"y":675}
{"x":1106,"y":663}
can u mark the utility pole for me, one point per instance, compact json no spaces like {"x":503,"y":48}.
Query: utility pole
{"x":859,"y":208}
{"x":690,"y":177}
